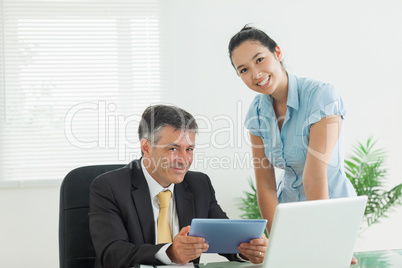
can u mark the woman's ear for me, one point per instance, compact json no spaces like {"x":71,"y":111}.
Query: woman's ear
{"x":278,"y":53}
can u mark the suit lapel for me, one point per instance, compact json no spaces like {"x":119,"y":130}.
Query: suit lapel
{"x":184,"y":204}
{"x":142,"y":203}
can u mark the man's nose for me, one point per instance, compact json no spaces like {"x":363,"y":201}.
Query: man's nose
{"x":182,"y":156}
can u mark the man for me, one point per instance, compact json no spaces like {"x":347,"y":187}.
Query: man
{"x":125,"y":207}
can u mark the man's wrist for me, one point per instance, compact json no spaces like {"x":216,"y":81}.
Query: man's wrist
{"x":241,"y":257}
{"x":162,"y":256}
{"x":170,"y":253}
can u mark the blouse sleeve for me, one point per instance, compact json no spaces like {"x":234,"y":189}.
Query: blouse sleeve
{"x":324,"y":100}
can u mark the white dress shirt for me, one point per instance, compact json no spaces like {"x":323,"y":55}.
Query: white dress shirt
{"x":154,"y":189}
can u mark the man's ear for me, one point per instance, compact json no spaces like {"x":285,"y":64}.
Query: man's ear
{"x":278,"y":53}
{"x":146,"y":147}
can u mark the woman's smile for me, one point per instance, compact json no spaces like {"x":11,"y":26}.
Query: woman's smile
{"x":264,"y":82}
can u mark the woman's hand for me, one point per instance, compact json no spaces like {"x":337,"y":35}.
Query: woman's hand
{"x":353,"y":261}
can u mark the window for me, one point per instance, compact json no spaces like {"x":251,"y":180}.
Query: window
{"x":75,"y":79}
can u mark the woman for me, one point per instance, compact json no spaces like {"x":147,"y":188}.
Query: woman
{"x":295,"y":125}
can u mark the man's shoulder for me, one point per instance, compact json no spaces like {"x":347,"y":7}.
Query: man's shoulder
{"x":196,"y":178}
{"x":115,"y":173}
{"x":196,"y":174}
{"x":118,"y":175}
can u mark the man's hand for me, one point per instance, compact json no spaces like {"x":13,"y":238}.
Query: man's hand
{"x":186,"y":248}
{"x":254,"y":251}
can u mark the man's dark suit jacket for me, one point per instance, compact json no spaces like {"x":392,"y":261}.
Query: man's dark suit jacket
{"x":121,"y":217}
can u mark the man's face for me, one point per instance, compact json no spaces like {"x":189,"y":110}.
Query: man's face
{"x":170,"y":158}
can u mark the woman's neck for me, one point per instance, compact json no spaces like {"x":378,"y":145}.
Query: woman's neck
{"x":281,"y":93}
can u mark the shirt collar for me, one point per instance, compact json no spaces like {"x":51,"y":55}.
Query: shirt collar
{"x":266,"y":101}
{"x":293,"y":92}
{"x":154,"y":187}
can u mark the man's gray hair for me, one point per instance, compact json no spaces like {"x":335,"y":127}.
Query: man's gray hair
{"x":156,"y":117}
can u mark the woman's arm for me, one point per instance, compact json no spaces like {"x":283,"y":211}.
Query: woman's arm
{"x":265,"y":181}
{"x":323,"y":138}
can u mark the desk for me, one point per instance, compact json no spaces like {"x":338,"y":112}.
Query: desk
{"x":382,"y":258}
{"x":369,"y":259}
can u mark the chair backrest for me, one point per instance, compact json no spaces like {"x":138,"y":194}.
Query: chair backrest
{"x":76,"y":249}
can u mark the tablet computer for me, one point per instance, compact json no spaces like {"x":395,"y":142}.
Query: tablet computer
{"x":225,"y":235}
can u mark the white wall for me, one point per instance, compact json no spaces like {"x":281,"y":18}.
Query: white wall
{"x":354,"y":45}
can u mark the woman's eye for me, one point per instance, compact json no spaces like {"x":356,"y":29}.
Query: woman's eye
{"x":243,"y":70}
{"x":260,"y":60}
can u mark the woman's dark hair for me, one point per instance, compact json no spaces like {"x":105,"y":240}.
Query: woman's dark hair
{"x":249,"y":33}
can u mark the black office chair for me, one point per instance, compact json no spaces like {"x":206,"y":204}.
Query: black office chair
{"x":75,"y":244}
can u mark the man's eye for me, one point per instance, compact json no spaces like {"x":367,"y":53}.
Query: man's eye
{"x":190,"y":149}
{"x":173,"y":149}
{"x":260,"y":60}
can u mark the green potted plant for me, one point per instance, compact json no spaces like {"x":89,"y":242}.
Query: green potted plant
{"x":365,"y":169}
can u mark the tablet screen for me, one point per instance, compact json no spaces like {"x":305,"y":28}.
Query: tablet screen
{"x":225,"y":235}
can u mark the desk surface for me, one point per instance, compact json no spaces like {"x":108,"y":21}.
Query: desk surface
{"x":369,"y":259}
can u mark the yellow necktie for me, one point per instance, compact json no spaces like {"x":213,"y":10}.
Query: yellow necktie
{"x":164,"y":234}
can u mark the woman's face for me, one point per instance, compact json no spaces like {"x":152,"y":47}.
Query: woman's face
{"x":259,"y":68}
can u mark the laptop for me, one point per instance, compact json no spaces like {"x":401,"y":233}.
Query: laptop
{"x":309,"y":234}
{"x":320,"y":233}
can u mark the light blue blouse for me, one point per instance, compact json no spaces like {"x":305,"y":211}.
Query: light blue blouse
{"x":308,"y":102}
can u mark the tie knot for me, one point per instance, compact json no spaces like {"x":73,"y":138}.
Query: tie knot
{"x":164,"y":198}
